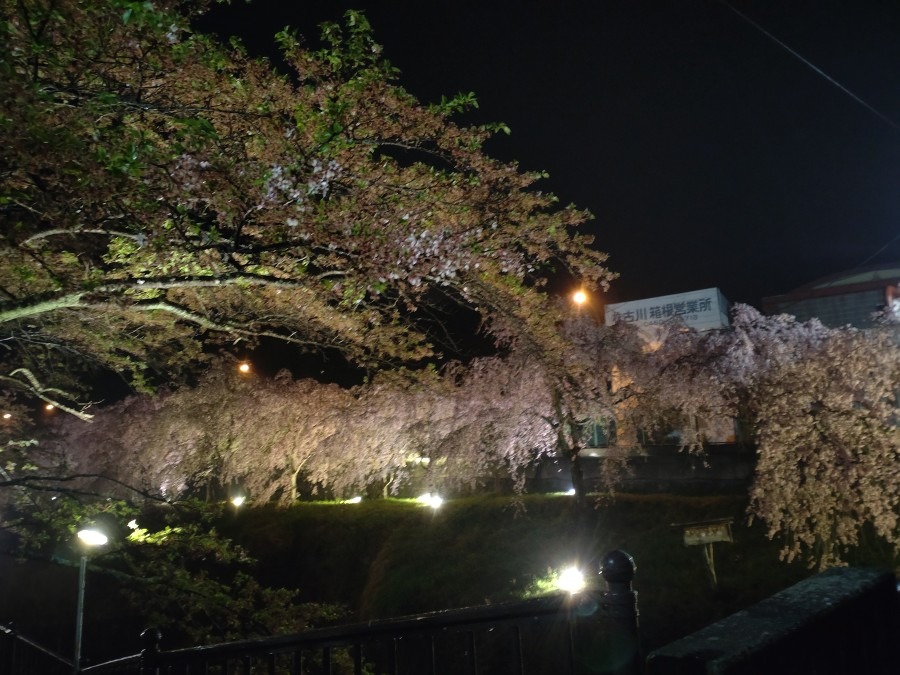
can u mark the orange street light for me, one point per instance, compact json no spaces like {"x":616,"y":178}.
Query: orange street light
{"x":579,"y":297}
{"x":244,"y":367}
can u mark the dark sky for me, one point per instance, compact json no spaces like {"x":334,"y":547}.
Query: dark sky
{"x":709,"y":155}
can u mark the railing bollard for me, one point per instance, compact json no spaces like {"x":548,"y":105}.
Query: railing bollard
{"x":619,"y":603}
{"x":10,"y":630}
{"x":150,"y":653}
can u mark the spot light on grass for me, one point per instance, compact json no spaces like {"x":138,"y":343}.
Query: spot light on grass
{"x":353,"y":500}
{"x":432,"y":500}
{"x":571,"y":580}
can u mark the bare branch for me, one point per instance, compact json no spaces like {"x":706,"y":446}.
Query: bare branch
{"x":34,"y":387}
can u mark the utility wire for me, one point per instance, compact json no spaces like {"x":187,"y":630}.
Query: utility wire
{"x":811,"y":65}
{"x":867,"y":260}
{"x":844,"y":89}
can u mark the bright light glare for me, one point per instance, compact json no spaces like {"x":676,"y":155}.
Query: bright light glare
{"x":571,"y":580}
{"x":244,"y":367}
{"x":49,"y":406}
{"x":579,"y":297}
{"x":132,"y":524}
{"x":434,"y":501}
{"x":570,"y":492}
{"x":237,"y":501}
{"x":6,"y":416}
{"x":92,"y":537}
{"x":354,"y":500}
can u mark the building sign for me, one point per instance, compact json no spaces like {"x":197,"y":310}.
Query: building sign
{"x":701,"y":310}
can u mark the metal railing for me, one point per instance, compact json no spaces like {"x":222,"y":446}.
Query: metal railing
{"x":592,"y":631}
{"x":20,"y":655}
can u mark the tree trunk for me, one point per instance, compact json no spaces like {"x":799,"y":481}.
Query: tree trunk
{"x":577,"y":477}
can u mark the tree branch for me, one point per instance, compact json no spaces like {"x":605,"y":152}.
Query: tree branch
{"x":204,"y":322}
{"x":61,"y":232}
{"x":34,"y":386}
{"x":73,"y":300}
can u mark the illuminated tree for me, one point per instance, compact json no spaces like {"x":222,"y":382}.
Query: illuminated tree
{"x":491,"y":417}
{"x":163,"y":196}
{"x":823,"y":404}
{"x":821,"y":407}
{"x":265,"y":434}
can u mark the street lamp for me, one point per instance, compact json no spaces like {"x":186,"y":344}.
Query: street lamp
{"x":89,"y":537}
{"x":579,"y":297}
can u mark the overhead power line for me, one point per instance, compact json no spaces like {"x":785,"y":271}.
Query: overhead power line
{"x":811,"y":65}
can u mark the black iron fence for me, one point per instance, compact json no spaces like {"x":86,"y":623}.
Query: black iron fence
{"x":20,"y":655}
{"x":845,"y":620}
{"x":589,"y":632}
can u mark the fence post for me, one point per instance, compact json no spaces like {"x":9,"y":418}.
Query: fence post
{"x":620,"y":605}
{"x":10,"y":631}
{"x":150,"y":653}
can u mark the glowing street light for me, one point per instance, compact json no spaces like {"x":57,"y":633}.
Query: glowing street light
{"x":49,"y":407}
{"x":89,"y":537}
{"x":244,"y":367}
{"x":579,"y":297}
{"x":238,"y":500}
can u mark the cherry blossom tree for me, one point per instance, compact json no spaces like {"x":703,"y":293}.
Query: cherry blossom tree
{"x":164,"y":196}
{"x":824,"y":406}
{"x":265,"y":434}
{"x":494,"y":416}
{"x":821,"y":407}
{"x":819,"y":404}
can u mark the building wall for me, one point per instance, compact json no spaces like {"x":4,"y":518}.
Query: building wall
{"x":855,"y":309}
{"x":851,"y":297}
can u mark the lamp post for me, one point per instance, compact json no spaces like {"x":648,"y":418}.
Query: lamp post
{"x":89,"y":537}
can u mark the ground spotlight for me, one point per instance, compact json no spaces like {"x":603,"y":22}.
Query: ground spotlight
{"x":429,"y":499}
{"x":571,"y":580}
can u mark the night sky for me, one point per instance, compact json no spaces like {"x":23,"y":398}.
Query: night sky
{"x":708,"y":154}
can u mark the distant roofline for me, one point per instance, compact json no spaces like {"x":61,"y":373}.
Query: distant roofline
{"x":880,"y":277}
